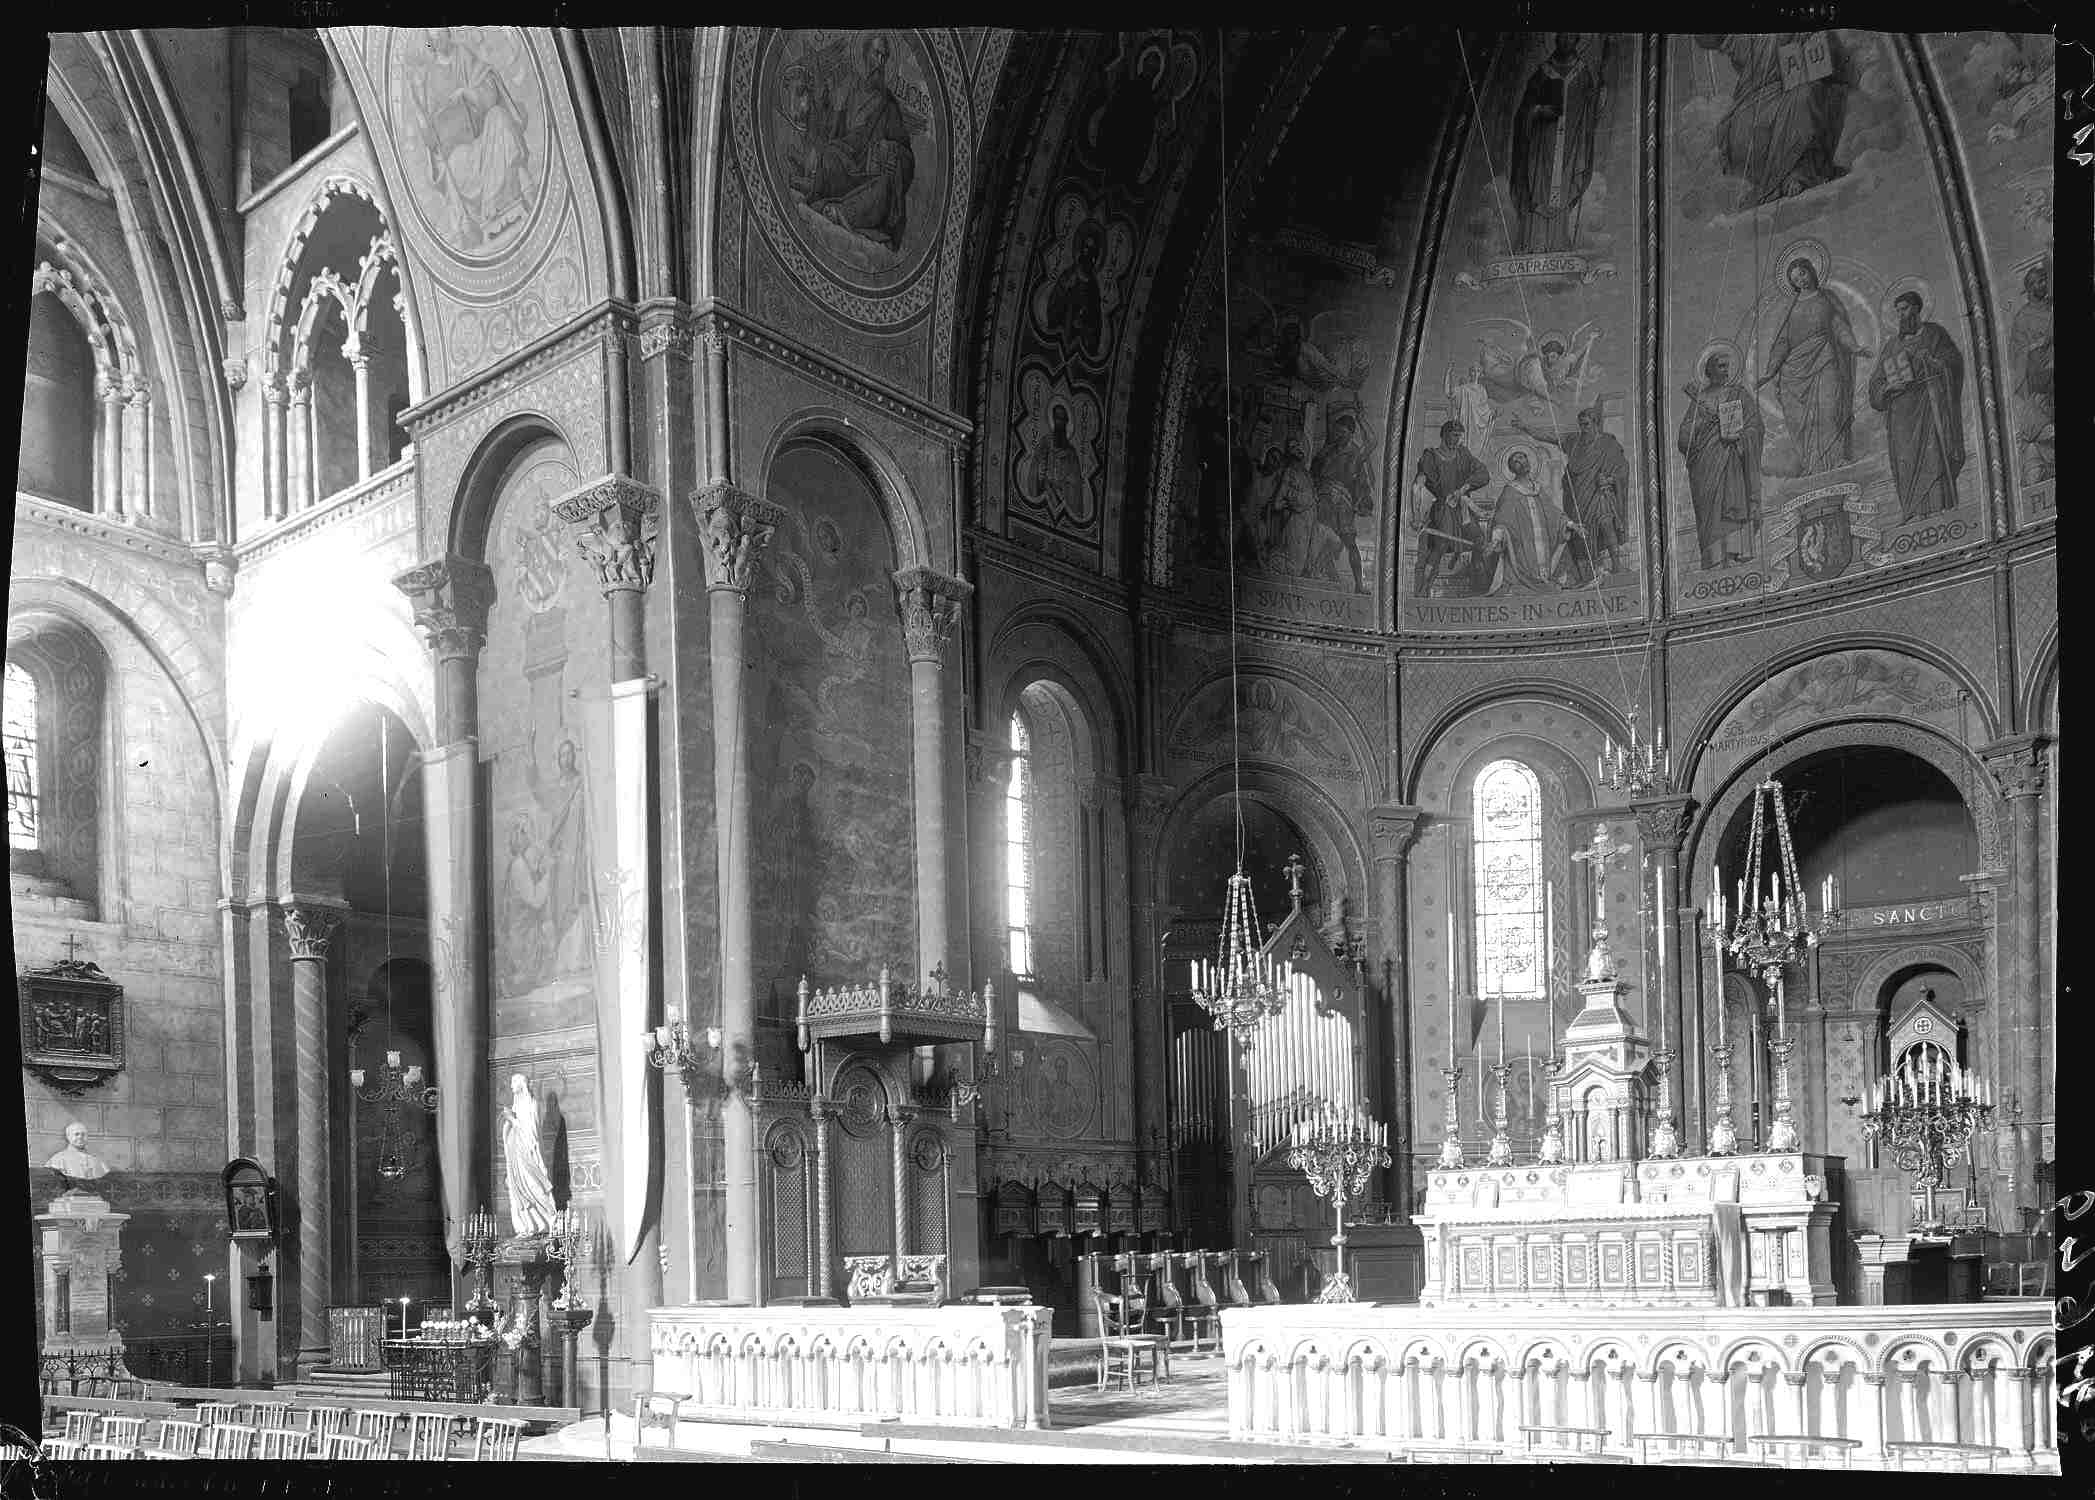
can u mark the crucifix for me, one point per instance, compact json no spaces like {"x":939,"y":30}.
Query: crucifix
{"x":1600,"y":852}
{"x":72,"y":949}
{"x":1294,"y":868}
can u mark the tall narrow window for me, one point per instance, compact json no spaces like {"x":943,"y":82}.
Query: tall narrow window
{"x":1018,"y":851}
{"x":1507,"y":901}
{"x":18,"y":722}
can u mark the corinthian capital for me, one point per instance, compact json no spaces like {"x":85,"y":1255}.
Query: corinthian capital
{"x":614,"y":521}
{"x":310,"y":929}
{"x":1662,"y":822}
{"x":2017,"y":764}
{"x":450,"y":598}
{"x":930,"y":604}
{"x":1391,"y":830}
{"x":735,"y":525}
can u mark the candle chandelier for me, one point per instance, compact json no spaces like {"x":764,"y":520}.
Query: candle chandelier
{"x":1927,"y":1110}
{"x":1641,"y":768}
{"x":397,"y":1086}
{"x":1239,"y":992}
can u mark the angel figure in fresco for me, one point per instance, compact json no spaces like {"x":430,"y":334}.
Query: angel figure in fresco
{"x":472,"y":130}
{"x":1470,"y":404}
{"x":1549,"y":369}
{"x":854,"y":157}
{"x":563,"y":802}
{"x":1783,"y":124}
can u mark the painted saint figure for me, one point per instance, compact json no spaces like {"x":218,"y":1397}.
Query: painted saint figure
{"x":1553,"y":129}
{"x":1440,"y":490}
{"x":1596,"y":498}
{"x":1812,"y":363}
{"x":2029,"y":351}
{"x":1058,"y":474}
{"x":1075,"y":306}
{"x":530,"y":1186}
{"x":860,"y":159}
{"x":1720,"y":437}
{"x":1919,"y":386}
{"x":570,"y":886}
{"x":1519,"y":532}
{"x":1345,"y":486}
{"x":472,"y":131}
{"x":1779,"y":135}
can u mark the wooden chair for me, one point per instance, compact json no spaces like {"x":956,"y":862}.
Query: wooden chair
{"x":162,"y":1453}
{"x":343,"y":1445}
{"x":58,"y":1447}
{"x":1122,"y":1309}
{"x":655,"y":1409}
{"x":1202,"y":1311}
{"x":180,"y":1438}
{"x":429,"y":1436}
{"x":379,"y":1426}
{"x":229,"y":1440}
{"x":1166,"y":1306}
{"x":1234,"y":1293}
{"x":267,"y":1414}
{"x":211,"y":1413}
{"x":97,"y":1452}
{"x":1261,"y":1280}
{"x":323,"y":1422}
{"x":80,"y":1426}
{"x":284,"y":1442}
{"x":496,"y":1441}
{"x":125,"y":1432}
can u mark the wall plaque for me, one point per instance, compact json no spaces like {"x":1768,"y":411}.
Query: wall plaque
{"x":72,"y":1022}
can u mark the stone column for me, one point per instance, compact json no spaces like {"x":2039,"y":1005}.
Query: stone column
{"x":450,"y":598}
{"x":1148,"y":802}
{"x":360,"y":366}
{"x":1662,"y":824}
{"x":1391,"y":830}
{"x":273,"y":460}
{"x":898,"y":1148}
{"x":614,"y":521}
{"x":309,"y":929}
{"x":1871,"y":1425}
{"x":110,"y":439}
{"x":1949,"y":1406}
{"x":2020,"y":1437}
{"x":304,"y":461}
{"x":137,"y":449}
{"x":734,"y":527}
{"x":930,"y":605}
{"x":1793,"y":1402}
{"x":1644,"y":1401}
{"x":825,"y":1240}
{"x":2018,"y":766}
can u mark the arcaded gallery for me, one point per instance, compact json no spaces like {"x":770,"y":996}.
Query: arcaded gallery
{"x":923,"y":745}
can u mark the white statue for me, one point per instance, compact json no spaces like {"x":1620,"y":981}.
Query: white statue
{"x":76,"y":1165}
{"x":530,"y":1185}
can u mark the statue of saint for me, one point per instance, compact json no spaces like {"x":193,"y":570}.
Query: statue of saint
{"x":530,"y":1185}
{"x":77,"y":1167}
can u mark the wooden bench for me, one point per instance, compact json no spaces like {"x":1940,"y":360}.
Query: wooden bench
{"x":1715,"y":1463}
{"x":1961,"y":1458}
{"x":1804,"y":1450}
{"x":1531,"y":1436}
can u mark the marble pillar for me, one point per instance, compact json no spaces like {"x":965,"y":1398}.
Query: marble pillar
{"x":360,"y":367}
{"x":2018,"y":766}
{"x":1662,"y":825}
{"x":1391,"y":831}
{"x":309,"y":929}
{"x":930,"y":604}
{"x":1149,"y":801}
{"x":304,"y":458}
{"x":137,"y":449}
{"x":450,"y":598}
{"x":734,"y":528}
{"x":274,"y":458}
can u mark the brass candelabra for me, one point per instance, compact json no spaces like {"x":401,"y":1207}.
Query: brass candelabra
{"x":1338,"y":1151}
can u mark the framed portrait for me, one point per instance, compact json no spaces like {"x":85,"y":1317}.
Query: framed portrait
{"x":251,"y":1201}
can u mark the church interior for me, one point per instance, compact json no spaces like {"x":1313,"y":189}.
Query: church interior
{"x":895,"y":745}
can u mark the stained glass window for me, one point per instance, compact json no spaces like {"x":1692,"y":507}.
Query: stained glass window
{"x":1506,"y":885}
{"x":1018,"y":842}
{"x":18,"y":724}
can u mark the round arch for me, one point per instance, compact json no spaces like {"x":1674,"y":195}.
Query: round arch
{"x":1334,"y":855}
{"x":1600,"y":717}
{"x":1071,"y":646}
{"x":833,"y":428}
{"x":1365,"y":755}
{"x":471,"y":510}
{"x":1886,"y":966}
{"x":2040,"y":700}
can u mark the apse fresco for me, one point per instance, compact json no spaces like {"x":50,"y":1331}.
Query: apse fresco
{"x":830,"y":741}
{"x":1820,"y":384}
{"x":2000,"y":89}
{"x":1520,"y":485}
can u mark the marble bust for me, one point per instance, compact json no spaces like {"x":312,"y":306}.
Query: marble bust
{"x":77,"y":1167}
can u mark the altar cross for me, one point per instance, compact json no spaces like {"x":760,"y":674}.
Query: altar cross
{"x":72,"y":948}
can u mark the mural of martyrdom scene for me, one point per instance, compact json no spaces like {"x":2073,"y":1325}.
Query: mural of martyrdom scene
{"x":1520,"y":496}
{"x":546,"y":633}
{"x":830,"y":733}
{"x":852,"y":140}
{"x":1281,"y":442}
{"x":471,"y":117}
{"x":1817,"y":345}
{"x":2000,"y":89}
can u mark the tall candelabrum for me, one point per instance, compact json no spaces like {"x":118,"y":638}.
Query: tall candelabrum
{"x":1665,"y":1139}
{"x":478,"y":1242}
{"x":1338,"y":1151}
{"x":1451,"y":1123}
{"x":1925,"y":1116}
{"x":1551,"y":1151}
{"x":1773,"y":929}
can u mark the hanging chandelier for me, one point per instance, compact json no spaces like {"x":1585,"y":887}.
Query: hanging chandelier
{"x":397,"y":1086}
{"x":1239,"y":992}
{"x":1641,"y":768}
{"x":1774,"y":927}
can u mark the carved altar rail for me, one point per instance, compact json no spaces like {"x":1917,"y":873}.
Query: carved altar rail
{"x":977,"y":1366}
{"x":1976,"y":1373}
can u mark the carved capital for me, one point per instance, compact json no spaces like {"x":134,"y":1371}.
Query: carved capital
{"x":988,"y":762}
{"x":235,"y":373}
{"x":272,"y":388}
{"x":930,"y":605}
{"x":1662,"y":822}
{"x":310,"y":929}
{"x":672,"y":335}
{"x":735,"y":526}
{"x":709,"y":339}
{"x":219,"y":567}
{"x":301,"y":387}
{"x":614,"y":521}
{"x":451,"y":597}
{"x":1391,"y":830}
{"x":2017,"y":764}
{"x":1153,"y":796}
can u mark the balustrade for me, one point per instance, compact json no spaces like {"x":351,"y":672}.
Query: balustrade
{"x":1715,"y":1379}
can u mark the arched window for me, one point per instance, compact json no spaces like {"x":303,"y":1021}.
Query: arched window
{"x":18,"y":724}
{"x":1018,"y":851}
{"x":1506,"y":887}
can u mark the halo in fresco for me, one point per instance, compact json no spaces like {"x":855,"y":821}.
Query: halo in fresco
{"x":848,"y":132}
{"x":470,"y":114}
{"x":1812,"y":251}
